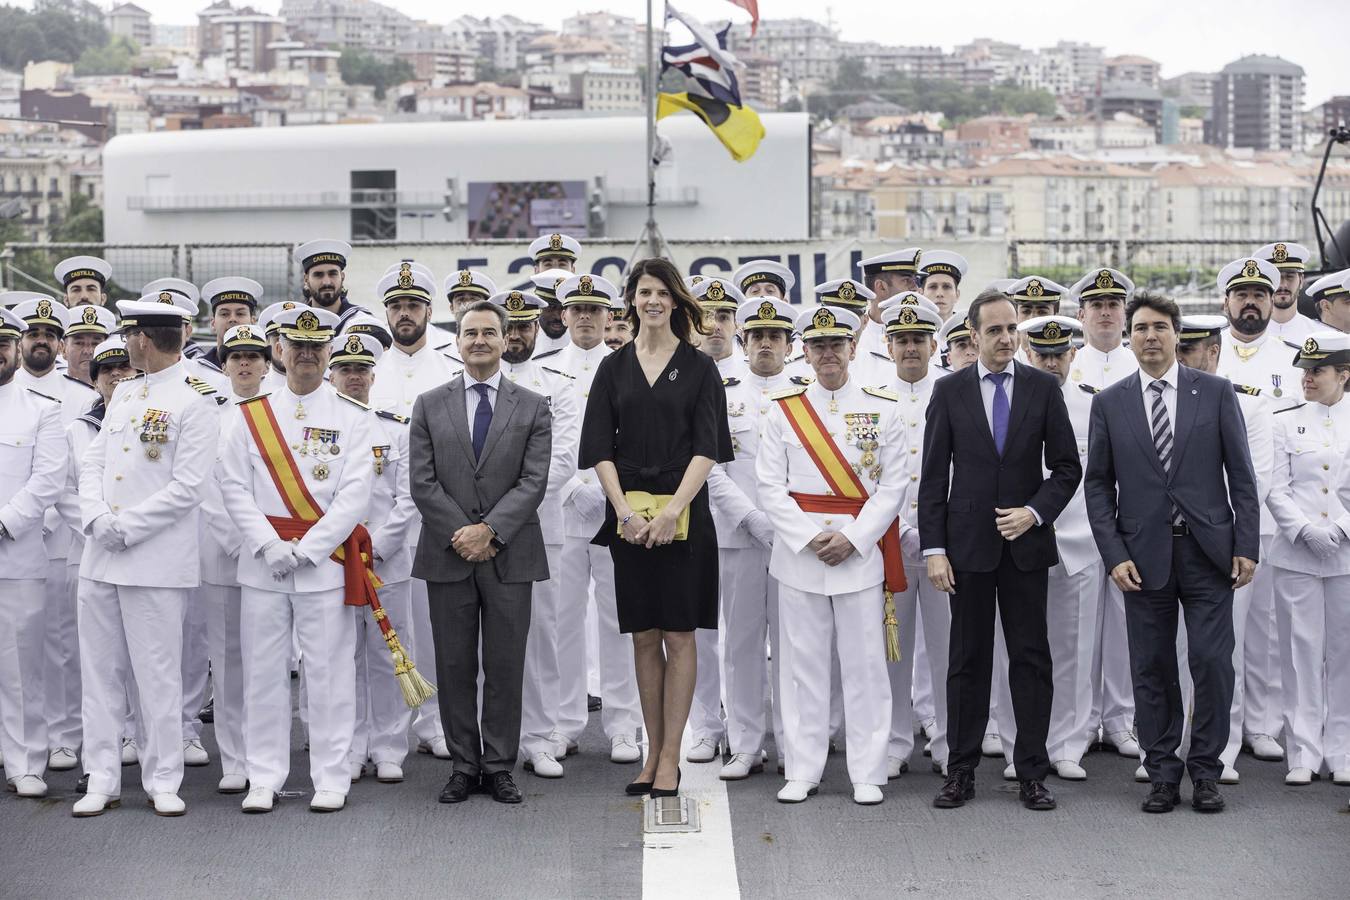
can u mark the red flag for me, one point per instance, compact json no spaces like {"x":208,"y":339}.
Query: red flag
{"x":752,"y":7}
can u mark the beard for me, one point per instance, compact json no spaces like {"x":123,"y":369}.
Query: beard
{"x":554,"y":328}
{"x":1244,"y":325}
{"x":7,"y":369}
{"x":408,"y":339}
{"x":325,"y":297}
{"x":39,"y":357}
{"x":515,"y":357}
{"x":1284,"y":301}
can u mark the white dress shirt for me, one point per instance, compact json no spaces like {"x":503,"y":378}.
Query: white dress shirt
{"x":472,"y":396}
{"x":1169,"y":396}
{"x":987,"y":389}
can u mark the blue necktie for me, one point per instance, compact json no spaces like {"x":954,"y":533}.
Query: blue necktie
{"x":482,"y":420}
{"x":1000,"y":409}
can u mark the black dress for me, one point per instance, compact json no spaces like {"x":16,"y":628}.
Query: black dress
{"x":650,"y":433}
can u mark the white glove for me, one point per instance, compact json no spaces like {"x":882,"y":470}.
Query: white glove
{"x":107,"y":532}
{"x":1324,"y":542}
{"x":760,"y":528}
{"x":909,"y":543}
{"x":589,"y":501}
{"x":280,"y":558}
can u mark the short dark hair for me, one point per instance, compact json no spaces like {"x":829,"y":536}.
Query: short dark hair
{"x":986,"y":297}
{"x":489,"y":307}
{"x":1156,"y":302}
{"x":164,"y":338}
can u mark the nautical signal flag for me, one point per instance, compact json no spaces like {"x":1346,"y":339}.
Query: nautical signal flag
{"x":714,"y":94}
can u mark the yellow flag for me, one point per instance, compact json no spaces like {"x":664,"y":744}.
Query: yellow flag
{"x":737,"y":127}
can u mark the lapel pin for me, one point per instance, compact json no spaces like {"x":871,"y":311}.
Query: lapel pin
{"x":1194,"y":391}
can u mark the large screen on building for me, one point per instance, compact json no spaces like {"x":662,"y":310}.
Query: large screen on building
{"x":523,"y":210}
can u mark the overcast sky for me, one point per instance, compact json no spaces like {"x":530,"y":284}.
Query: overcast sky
{"x":1191,"y":35}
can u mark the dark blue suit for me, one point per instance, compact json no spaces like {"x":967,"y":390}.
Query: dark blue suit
{"x":1129,"y":503}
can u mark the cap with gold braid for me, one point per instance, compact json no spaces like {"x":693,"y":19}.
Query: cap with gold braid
{"x":587,"y":289}
{"x":11,"y":326}
{"x":910,"y":318}
{"x":555,"y":245}
{"x":715,"y":293}
{"x":467,"y":281}
{"x":322,"y":251}
{"x":177,"y":286}
{"x":361,"y":349}
{"x":74,"y":268}
{"x":1198,"y":327}
{"x":43,"y":311}
{"x":1285,"y":255}
{"x":1036,"y":289}
{"x":546,"y":284}
{"x":826,"y":322}
{"x":765,"y":312}
{"x":843,"y":292}
{"x":306,"y":324}
{"x":1101,"y":284}
{"x":153,"y":311}
{"x":1050,"y":335}
{"x":409,"y":281}
{"x":520,"y":306}
{"x":364,"y":323}
{"x":1330,"y":286}
{"x":900,"y":262}
{"x":267,"y":318}
{"x":956,"y":328}
{"x":1324,"y":348}
{"x":94,"y":320}
{"x":112,"y":352}
{"x":244,"y":337}
{"x":1243,"y":272}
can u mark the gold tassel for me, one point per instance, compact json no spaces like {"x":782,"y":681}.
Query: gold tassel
{"x":892,"y":630}
{"x":416,"y":689}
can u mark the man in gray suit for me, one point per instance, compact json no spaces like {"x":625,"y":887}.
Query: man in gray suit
{"x":1171,"y":495}
{"x":480,"y":450}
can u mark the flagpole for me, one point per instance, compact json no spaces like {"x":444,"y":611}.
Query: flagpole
{"x":650,"y":229}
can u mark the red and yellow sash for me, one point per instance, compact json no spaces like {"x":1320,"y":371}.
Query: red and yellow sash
{"x":355,"y":554}
{"x":849,"y":493}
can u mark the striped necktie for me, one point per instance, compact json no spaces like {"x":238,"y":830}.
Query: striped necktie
{"x":1162,"y":436}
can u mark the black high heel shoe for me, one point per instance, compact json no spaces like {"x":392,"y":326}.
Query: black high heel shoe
{"x":638,"y":788}
{"x":674,"y":792}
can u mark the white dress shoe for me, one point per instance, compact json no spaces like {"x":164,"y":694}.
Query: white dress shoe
{"x":232,"y":784}
{"x":544,"y":764}
{"x":1265,"y":747}
{"x":62,"y":759}
{"x":29,"y":786}
{"x":358,"y":769}
{"x":895,"y":767}
{"x":437,"y":747}
{"x":741,"y":766}
{"x":703,"y":750}
{"x":1124,"y":743}
{"x":167,"y":805}
{"x":1229,"y":775}
{"x":1341,"y":777}
{"x":1141,"y":775}
{"x":623,"y":748}
{"x":991,"y":745}
{"x":131,"y":754}
{"x":327,"y":801}
{"x":559,"y":745}
{"x":388,"y":773}
{"x":1069,"y":770}
{"x":797,"y":791}
{"x":1299,"y":777}
{"x":259,"y":800}
{"x":194,"y":754}
{"x":92,"y":804}
{"x":1010,"y":772}
{"x":867,"y":794}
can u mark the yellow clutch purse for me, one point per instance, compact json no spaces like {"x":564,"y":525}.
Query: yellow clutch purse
{"x":649,"y":506}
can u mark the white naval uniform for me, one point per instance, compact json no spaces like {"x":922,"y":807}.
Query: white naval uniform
{"x":310,"y":600}
{"x":32,"y":476}
{"x":382,"y":716}
{"x":1295,"y":330}
{"x":1311,"y":488}
{"x":1113,"y":683}
{"x":749,"y":595}
{"x":400,"y":378}
{"x":541,"y":692}
{"x":920,"y":599}
{"x":61,"y":643}
{"x":868,"y":367}
{"x":583,"y":503}
{"x":1271,"y":370}
{"x":131,"y":601}
{"x":820,"y":606}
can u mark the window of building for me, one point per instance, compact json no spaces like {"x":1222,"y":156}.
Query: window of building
{"x":374,"y":205}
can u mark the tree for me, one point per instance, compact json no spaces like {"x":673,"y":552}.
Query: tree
{"x":113,"y":59}
{"x":83,"y":223}
{"x":362,"y":68}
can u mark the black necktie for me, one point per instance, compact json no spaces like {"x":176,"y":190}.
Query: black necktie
{"x":482,"y":419}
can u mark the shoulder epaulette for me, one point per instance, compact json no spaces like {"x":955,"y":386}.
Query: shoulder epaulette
{"x":557,"y":372}
{"x":882,"y":393}
{"x":130,"y":378}
{"x":548,"y":353}
{"x":1246,"y":389}
{"x":730,"y":381}
{"x":393,"y":417}
{"x":787,"y":392}
{"x":353,"y":400}
{"x":221,"y":401}
{"x":1088,"y":389}
{"x":801,"y":379}
{"x":43,"y":396}
{"x":201,"y":387}
{"x":1290,"y":408}
{"x":793,"y":359}
{"x":76,"y":380}
{"x":252,"y":399}
{"x":882,"y":356}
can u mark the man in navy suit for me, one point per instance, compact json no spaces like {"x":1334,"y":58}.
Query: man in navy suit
{"x":986,"y":514}
{"x":1172,"y":498}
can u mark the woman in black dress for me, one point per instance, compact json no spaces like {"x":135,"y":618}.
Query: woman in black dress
{"x":656,"y":422}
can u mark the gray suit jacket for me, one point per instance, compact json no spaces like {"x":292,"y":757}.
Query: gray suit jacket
{"x":504,"y":488}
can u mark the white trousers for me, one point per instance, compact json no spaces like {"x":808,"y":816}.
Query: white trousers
{"x":1262,"y":712}
{"x":1314,"y":621}
{"x":326,"y":632}
{"x":196,"y":663}
{"x":541,"y":687}
{"x":382,"y":717}
{"x":132,"y":634}
{"x":23,"y":723}
{"x":920,"y":601}
{"x":749,"y":623}
{"x":1071,"y":617}
{"x":61,"y":655}
{"x":809,"y":625}
{"x":925,"y":708}
{"x":1112,"y":680}
{"x":426,"y":722}
{"x":705,"y":708}
{"x":622,"y":712}
{"x":221,"y":605}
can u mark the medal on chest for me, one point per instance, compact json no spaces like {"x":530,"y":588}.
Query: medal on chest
{"x":735,"y":409}
{"x":861,"y":430}
{"x":1275,"y":384}
{"x":154,"y":431}
{"x":381,"y":454}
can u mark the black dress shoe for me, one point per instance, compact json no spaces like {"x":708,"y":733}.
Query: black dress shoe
{"x":638,"y":788}
{"x":208,"y":713}
{"x":1206,"y":798}
{"x":457,"y":789}
{"x":669,"y":792}
{"x":1035,"y":795}
{"x":594,"y":703}
{"x":956,"y":790}
{"x":1162,"y":798}
{"x":502,"y":787}
{"x":82,"y":786}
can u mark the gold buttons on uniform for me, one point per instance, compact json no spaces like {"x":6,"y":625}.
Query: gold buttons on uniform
{"x":119,"y":478}
{"x":829,"y":521}
{"x":913,"y":449}
{"x":914,"y":478}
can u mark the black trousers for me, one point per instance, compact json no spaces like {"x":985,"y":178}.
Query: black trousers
{"x":1019,"y":598}
{"x":461,"y":612}
{"x":1205,"y":595}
